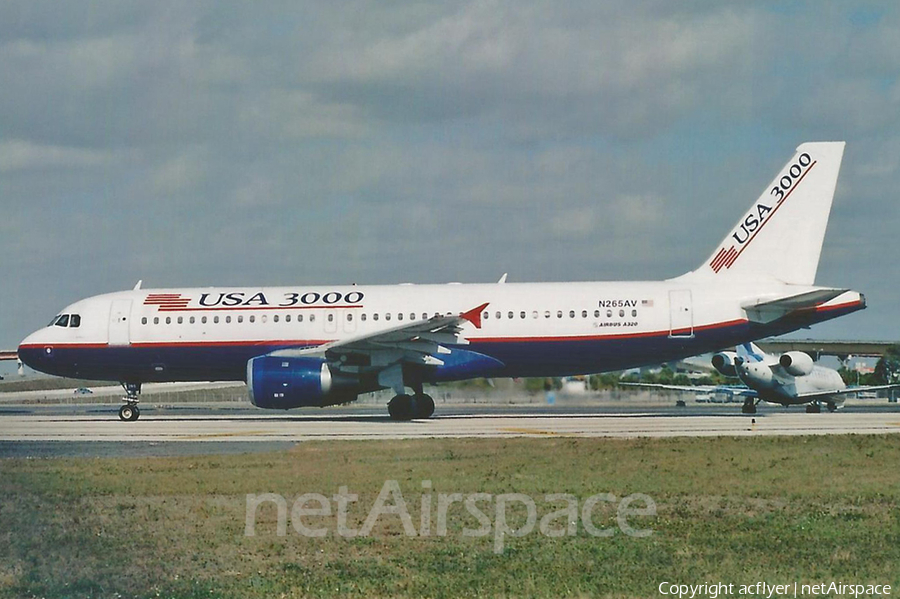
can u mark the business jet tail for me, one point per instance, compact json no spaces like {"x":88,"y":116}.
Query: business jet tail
{"x":780,"y":236}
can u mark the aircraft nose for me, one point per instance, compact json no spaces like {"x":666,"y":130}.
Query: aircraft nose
{"x":33,"y":353}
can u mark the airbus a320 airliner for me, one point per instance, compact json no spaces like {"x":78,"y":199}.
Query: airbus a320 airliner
{"x":323,"y":345}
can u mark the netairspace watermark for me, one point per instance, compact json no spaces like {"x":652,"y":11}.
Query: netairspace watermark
{"x":496,"y":515}
{"x":712,"y":590}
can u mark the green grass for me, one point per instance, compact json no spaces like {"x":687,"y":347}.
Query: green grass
{"x":809,"y":509}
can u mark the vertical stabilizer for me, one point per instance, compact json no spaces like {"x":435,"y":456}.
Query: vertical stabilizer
{"x":780,"y":236}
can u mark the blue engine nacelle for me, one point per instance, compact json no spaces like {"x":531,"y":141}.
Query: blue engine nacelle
{"x":283,"y":383}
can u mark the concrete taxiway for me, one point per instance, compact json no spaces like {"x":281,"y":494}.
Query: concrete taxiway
{"x":95,"y":430}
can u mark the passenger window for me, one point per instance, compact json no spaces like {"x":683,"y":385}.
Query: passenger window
{"x":609,"y":313}
{"x":240,"y":318}
{"x":330,"y":317}
{"x":144,"y":320}
{"x":349,"y":317}
{"x":412,"y":316}
{"x":387,"y":316}
{"x":287,"y":318}
{"x":400,"y":316}
{"x":75,"y":321}
{"x":299,"y":318}
{"x":424,"y":316}
{"x":485,"y":316}
{"x":559,"y":313}
{"x":216,"y":319}
{"x":156,"y":320}
{"x":228,"y":319}
{"x":634,"y":313}
{"x":192,"y":320}
{"x":621,"y":313}
{"x":584,"y":313}
{"x":168,"y":320}
{"x":363,"y":317}
{"x":534,"y":314}
{"x":375,"y":316}
{"x":522,"y":314}
{"x":264,"y":318}
{"x":571,"y":313}
{"x":510,"y":314}
{"x":252,"y":318}
{"x":203,"y":319}
{"x":275,"y":318}
{"x":312,"y":317}
{"x":180,"y":319}
{"x":498,"y":315}
{"x":546,"y":313}
{"x":596,"y":313}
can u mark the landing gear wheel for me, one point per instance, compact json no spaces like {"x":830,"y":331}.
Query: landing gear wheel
{"x":831,"y":406}
{"x":424,"y":406}
{"x":813,"y":408}
{"x":129,"y":413}
{"x":749,"y":407}
{"x":401,"y":407}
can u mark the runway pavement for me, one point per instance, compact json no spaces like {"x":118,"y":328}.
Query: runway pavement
{"x":208,"y":429}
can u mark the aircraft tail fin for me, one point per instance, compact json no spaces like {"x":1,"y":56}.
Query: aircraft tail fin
{"x":750,"y":352}
{"x":780,"y":237}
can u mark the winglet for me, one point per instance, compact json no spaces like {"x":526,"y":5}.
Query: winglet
{"x":138,"y":286}
{"x":474,"y":315}
{"x":502,"y":279}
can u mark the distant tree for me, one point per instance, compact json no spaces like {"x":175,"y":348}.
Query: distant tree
{"x":849,"y":376}
{"x":888,"y":367}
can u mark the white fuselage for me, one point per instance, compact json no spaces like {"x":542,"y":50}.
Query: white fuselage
{"x":534,"y":329}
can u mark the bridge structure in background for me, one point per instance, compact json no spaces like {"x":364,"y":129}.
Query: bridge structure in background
{"x":842,"y":350}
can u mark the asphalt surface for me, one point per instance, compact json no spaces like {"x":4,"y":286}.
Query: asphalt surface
{"x":95,"y":430}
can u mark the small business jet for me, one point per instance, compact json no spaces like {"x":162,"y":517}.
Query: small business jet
{"x":789,"y":379}
{"x":324,"y":345}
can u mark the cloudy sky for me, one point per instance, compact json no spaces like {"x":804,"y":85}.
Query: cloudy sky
{"x":238,"y":143}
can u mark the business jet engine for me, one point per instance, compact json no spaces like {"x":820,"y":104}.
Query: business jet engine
{"x":281,"y":383}
{"x":796,"y":363}
{"x":724,"y":362}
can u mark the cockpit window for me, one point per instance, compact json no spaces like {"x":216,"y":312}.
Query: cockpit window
{"x":75,"y":321}
{"x":62,"y":321}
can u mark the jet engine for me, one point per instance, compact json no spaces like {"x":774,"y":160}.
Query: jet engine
{"x":283,"y":383}
{"x":796,"y":363}
{"x":724,"y":362}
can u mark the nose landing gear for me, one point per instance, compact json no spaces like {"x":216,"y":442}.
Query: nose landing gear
{"x":129,"y":412}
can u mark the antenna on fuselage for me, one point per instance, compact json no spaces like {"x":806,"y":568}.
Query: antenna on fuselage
{"x":502,"y":279}
{"x":138,"y":285}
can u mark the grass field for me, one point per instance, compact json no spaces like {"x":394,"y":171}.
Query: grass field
{"x":806,"y":509}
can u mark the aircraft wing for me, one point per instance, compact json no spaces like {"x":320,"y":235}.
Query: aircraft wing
{"x":767,"y":310}
{"x":740,"y":391}
{"x":418,"y":342}
{"x":845,"y":391}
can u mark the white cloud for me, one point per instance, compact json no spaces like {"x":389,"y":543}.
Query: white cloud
{"x":20,"y":154}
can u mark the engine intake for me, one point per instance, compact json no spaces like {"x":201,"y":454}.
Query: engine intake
{"x":796,"y":363}
{"x":283,"y":383}
{"x":724,"y":362}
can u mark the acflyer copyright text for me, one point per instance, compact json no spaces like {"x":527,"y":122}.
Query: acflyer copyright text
{"x":712,"y":590}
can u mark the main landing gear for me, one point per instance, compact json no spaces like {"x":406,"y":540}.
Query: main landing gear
{"x":816,"y":407}
{"x":129,"y":412}
{"x":407,"y":407}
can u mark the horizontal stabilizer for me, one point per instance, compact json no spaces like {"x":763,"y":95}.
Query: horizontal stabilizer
{"x":767,"y":310}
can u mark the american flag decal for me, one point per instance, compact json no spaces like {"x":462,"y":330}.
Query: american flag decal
{"x":167,"y":301}
{"x":724,"y":258}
